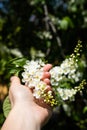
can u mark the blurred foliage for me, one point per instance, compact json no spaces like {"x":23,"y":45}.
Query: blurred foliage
{"x":45,"y":29}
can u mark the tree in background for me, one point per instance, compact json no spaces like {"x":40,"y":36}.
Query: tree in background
{"x":46,"y":29}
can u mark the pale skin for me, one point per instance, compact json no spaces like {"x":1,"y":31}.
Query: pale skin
{"x":27,"y":113}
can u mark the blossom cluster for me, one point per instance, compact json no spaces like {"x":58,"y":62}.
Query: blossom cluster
{"x":67,"y":70}
{"x":32,"y":75}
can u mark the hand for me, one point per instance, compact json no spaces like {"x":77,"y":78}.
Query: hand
{"x":21,"y":95}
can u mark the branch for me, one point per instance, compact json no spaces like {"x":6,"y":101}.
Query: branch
{"x":50,"y":24}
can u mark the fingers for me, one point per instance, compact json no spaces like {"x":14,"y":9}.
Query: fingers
{"x":47,"y":67}
{"x":47,"y":81}
{"x":46,"y":74}
{"x":15,"y":80}
{"x":46,"y":77}
{"x":48,"y":88}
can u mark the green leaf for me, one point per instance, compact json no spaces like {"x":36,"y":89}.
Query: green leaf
{"x":15,"y":66}
{"x":1,"y":119}
{"x":85,"y":109}
{"x":66,"y":22}
{"x":6,"y":106}
{"x":17,"y":62}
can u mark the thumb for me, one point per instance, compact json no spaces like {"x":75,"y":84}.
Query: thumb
{"x":15,"y":81}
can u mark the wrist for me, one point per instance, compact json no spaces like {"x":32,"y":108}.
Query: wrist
{"x":26,"y":115}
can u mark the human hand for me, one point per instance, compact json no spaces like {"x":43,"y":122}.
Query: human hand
{"x":21,"y":95}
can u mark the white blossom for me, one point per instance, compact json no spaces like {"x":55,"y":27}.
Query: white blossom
{"x":32,"y":73}
{"x":39,"y":90}
{"x":65,"y":93}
